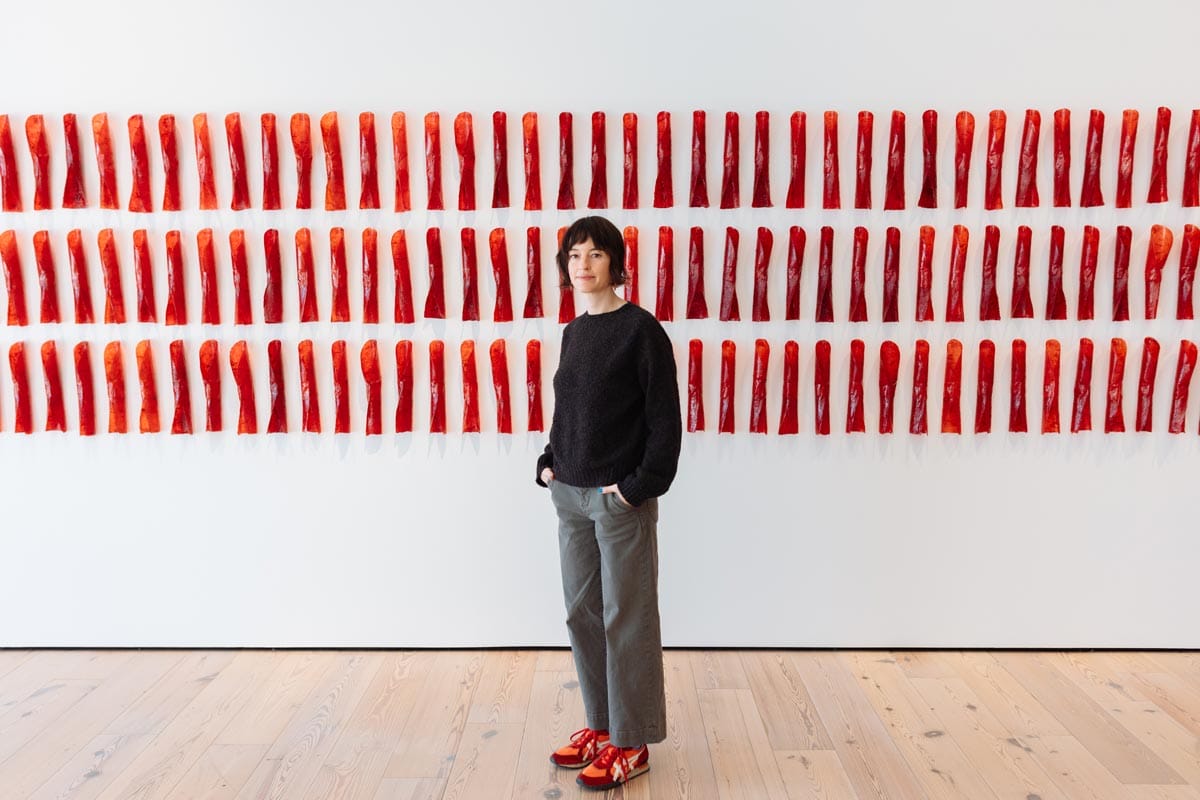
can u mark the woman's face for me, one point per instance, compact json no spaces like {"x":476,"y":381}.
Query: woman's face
{"x":588,"y":267}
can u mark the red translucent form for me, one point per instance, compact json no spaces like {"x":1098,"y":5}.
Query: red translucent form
{"x":181,"y":420}
{"x":1146,"y":377}
{"x":148,"y":419}
{"x":729,"y":301}
{"x":1191,"y":164}
{"x":1188,"y":252}
{"x":1062,"y":158}
{"x":854,"y":405}
{"x":241,"y":278}
{"x":598,"y":196}
{"x":341,"y":388}
{"x":204,"y":162}
{"x":1027,"y":190}
{"x":918,"y":420}
{"x":821,"y":411}
{"x":435,"y":299}
{"x":891,"y":275}
{"x":629,"y":184}
{"x":1081,"y":407}
{"x":39,"y":152}
{"x":533,"y":162}
{"x":832,"y":195}
{"x":1087,"y":272}
{"x":894,"y":187}
{"x":1017,"y":419}
{"x":1056,"y":298}
{"x":924,"y":307}
{"x":1157,"y":251}
{"x":789,"y":422}
{"x":994,"y":171}
{"x":533,"y":383}
{"x":983,"y":386}
{"x":697,"y":308}
{"x":498,"y":354}
{"x":762,"y":257}
{"x":858,"y":276}
{"x":1121,"y":274}
{"x":176,"y":312}
{"x":273,"y":293}
{"x":889,"y":367}
{"x":762,"y":160}
{"x":106,"y":163}
{"x":403,"y":305}
{"x":470,"y":388}
{"x":989,"y":299}
{"x":437,"y":387}
{"x":335,"y":186}
{"x":799,"y":130}
{"x":114,"y":377}
{"x":758,"y":388}
{"x":728,"y":363}
{"x":114,"y":296}
{"x":964,"y":140}
{"x":1022,"y":302}
{"x":85,"y":389}
{"x":48,"y":279}
{"x":73,"y":196}
{"x":338,"y":276}
{"x":369,"y":187}
{"x":824,"y":310}
{"x":470,"y":275}
{"x":1183,"y":379}
{"x":56,"y":415}
{"x":695,"y":401}
{"x":566,"y":294}
{"x":404,"y":386}
{"x":1129,"y":124}
{"x":14,"y":279}
{"x":306,"y":276}
{"x":499,"y":159}
{"x":22,"y":409}
{"x":277,"y":423}
{"x":169,"y":147}
{"x":952,"y":389}
{"x":403,"y":200}
{"x":1050,"y":387}
{"x":210,"y":309}
{"x":80,"y":282}
{"x":237,"y":162}
{"x":1114,"y":414}
{"x":797,"y":239}
{"x":143,"y":276}
{"x":862,"y":172}
{"x":301,"y":129}
{"x":566,"y":162}
{"x":1090,"y":194}
{"x":210,"y":376}
{"x":310,"y":407}
{"x":664,"y":193}
{"x":533,"y":273}
{"x":698,"y":196}
{"x":270,"y":164}
{"x":630,"y":236}
{"x":370,"y":275}
{"x":664,"y":304}
{"x":928,"y":198}
{"x":464,"y":144}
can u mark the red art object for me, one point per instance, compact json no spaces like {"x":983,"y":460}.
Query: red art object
{"x":404,"y":386}
{"x":893,"y":199}
{"x":924,"y":308}
{"x":1183,"y":379}
{"x":73,"y":196}
{"x":470,"y":275}
{"x":533,"y":162}
{"x":403,"y":197}
{"x":889,"y":367}
{"x":435,"y":299}
{"x":983,"y":386}
{"x":403,"y":305}
{"x":1156,"y":256}
{"x":598,"y":196}
{"x":273,"y":293}
{"x":114,"y":376}
{"x":204,"y":163}
{"x":566,"y":294}
{"x":630,"y":236}
{"x":14,"y":279}
{"x":169,"y":147}
{"x":277,"y":423}
{"x":664,"y":304}
{"x":22,"y":413}
{"x":1114,"y":414}
{"x":1017,"y":419}
{"x":80,"y":282}
{"x":239,"y":361}
{"x":891,"y":275}
{"x":928,"y":198}
{"x":1146,"y":377}
{"x":464,"y":144}
{"x":964,"y":140}
{"x":854,"y":408}
{"x":106,"y":164}
{"x":470,"y":388}
{"x":310,"y":407}
{"x":758,"y":388}
{"x":832,"y":195}
{"x":335,"y":187}
{"x":1062,"y":158}
{"x":762,"y":257}
{"x":143,"y":275}
{"x":1027,"y":190}
{"x":697,"y":308}
{"x":437,"y":387}
{"x":858,"y":276}
{"x":566,"y":162}
{"x":338,"y":276}
{"x":729,"y":301}
{"x":664,"y":192}
{"x":48,"y":280}
{"x":1056,"y":299}
{"x":85,"y":387}
{"x":1129,"y":124}
{"x":1081,"y":408}
{"x":994,"y":172}
{"x":341,"y":388}
{"x":952,"y":389}
{"x":1091,"y":195}
{"x":918,"y":421}
{"x":762,"y":160}
{"x":1191,"y":164}
{"x":241,"y":278}
{"x":862,"y":172}
{"x":433,"y":161}
{"x":799,"y":127}
{"x":499,"y":159}
{"x":824,"y":310}
{"x":730,"y":195}
{"x":533,"y":273}
{"x":148,"y":419}
{"x":370,"y":275}
{"x":498,"y":354}
{"x":270,"y":164}
{"x":56,"y":415}
{"x":1050,"y":373}
{"x":695,"y":401}
{"x":114,"y":296}
{"x":301,"y":128}
{"x":797,"y":239}
{"x":1188,"y":252}
{"x":725,"y":410}
{"x":821,"y":411}
{"x":306,"y":276}
{"x":39,"y":152}
{"x":629,"y":186}
{"x":237,"y":162}
{"x":788,"y":413}
{"x":210,"y":309}
{"x":210,"y":375}
{"x":368,"y":193}
{"x":989,"y":298}
{"x":533,"y":383}
{"x":1121,"y":274}
{"x":1087,"y":272}
{"x":181,"y":421}
{"x":698,"y":197}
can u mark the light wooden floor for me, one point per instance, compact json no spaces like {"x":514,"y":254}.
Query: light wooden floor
{"x":761,"y":724}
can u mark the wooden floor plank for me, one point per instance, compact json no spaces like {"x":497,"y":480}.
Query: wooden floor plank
{"x":815,"y":774}
{"x":787,"y":711}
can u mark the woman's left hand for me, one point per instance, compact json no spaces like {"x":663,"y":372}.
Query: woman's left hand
{"x":612,"y":489}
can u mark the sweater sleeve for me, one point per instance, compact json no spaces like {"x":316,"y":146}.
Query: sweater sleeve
{"x":546,"y":459}
{"x":664,"y":427}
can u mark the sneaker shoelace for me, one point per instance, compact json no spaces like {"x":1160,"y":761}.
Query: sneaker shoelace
{"x":608,"y":755}
{"x":583,"y":737}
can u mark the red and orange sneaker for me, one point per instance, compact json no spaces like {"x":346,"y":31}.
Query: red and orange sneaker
{"x":614,"y":766}
{"x":585,"y":745}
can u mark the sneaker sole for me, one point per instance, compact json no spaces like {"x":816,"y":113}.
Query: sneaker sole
{"x":614,"y":784}
{"x":568,"y":766}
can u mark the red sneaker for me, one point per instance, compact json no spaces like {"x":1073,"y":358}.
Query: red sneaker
{"x":585,"y":745}
{"x":614,"y":766}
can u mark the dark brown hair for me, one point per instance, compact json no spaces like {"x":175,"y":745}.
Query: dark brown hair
{"x":605,"y":236}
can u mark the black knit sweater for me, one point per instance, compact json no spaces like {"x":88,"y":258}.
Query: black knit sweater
{"x":616,"y":405}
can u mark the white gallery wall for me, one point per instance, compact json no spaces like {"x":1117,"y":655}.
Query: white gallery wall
{"x":215,"y":539}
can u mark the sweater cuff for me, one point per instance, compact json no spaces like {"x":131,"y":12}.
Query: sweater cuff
{"x":632,"y":492}
{"x":544,"y":460}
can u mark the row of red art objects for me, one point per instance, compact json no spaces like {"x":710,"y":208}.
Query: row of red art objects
{"x":1158,"y":249}
{"x":211,"y":369}
{"x":895,"y":194}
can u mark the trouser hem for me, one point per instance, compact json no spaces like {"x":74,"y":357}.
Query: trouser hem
{"x":632,"y":737}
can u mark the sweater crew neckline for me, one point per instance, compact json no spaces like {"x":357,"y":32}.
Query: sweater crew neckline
{"x":606,"y":313}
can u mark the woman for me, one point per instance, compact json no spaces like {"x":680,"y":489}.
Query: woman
{"x":614,"y":447}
